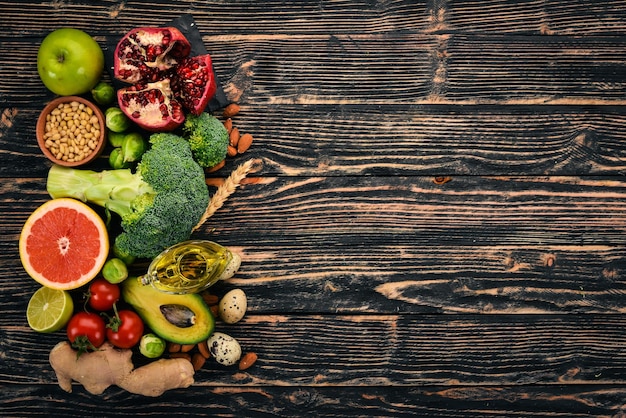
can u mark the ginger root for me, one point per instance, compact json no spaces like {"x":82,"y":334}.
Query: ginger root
{"x":108,"y":366}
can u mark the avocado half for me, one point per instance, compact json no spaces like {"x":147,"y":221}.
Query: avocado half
{"x":182,"y":319}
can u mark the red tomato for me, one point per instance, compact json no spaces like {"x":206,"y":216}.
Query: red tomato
{"x":125,"y":332}
{"x":86,"y":330}
{"x":102,"y":294}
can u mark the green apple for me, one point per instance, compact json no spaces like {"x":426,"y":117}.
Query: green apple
{"x":70,"y":62}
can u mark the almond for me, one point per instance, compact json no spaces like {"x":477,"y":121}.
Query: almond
{"x":197,"y":360}
{"x":231,"y":110}
{"x":247,"y":361}
{"x":173,"y":347}
{"x":233,"y":137}
{"x":210,"y":299}
{"x":244,"y":143}
{"x":203,"y":348}
{"x":232,"y":151}
{"x":228,"y":124}
{"x":185,"y":348}
{"x":216,"y":166}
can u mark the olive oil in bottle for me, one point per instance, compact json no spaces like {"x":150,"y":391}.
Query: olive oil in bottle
{"x":188,"y":267}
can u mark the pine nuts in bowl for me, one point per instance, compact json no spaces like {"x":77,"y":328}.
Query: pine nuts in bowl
{"x":71,"y":131}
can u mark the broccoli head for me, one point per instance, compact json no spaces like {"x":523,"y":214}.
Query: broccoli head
{"x":207,"y":137}
{"x":159,"y":204}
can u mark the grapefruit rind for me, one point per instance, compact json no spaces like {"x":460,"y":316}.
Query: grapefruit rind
{"x":46,"y":249}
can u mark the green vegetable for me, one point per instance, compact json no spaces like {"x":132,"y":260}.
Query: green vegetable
{"x":116,"y":139}
{"x":103,"y":93}
{"x":133,"y":147}
{"x":115,"y":270}
{"x":122,"y":255}
{"x":116,"y":120}
{"x":151,"y":346}
{"x":159,"y":204}
{"x":207,"y":137}
{"x":116,"y":159}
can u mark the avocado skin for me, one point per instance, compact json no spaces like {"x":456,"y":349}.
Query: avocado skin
{"x":147,"y":301}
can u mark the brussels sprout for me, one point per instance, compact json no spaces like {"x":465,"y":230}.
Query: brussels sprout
{"x":116,"y":120}
{"x":116,"y":159}
{"x":103,"y":93}
{"x":151,"y":346}
{"x":114,"y":270}
{"x":116,"y":139}
{"x":133,"y":147}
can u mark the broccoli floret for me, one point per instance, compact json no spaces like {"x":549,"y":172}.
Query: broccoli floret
{"x":159,"y":204}
{"x":207,"y":137}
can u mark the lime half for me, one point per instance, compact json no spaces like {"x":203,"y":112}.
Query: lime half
{"x":49,"y":309}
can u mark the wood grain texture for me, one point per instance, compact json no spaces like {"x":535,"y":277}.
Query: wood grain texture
{"x":437,"y":227}
{"x":389,"y":69}
{"x":270,"y":401}
{"x":391,"y":350}
{"x":440,"y":140}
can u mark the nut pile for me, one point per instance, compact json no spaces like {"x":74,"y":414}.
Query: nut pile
{"x":72,"y":131}
{"x":238,"y":143}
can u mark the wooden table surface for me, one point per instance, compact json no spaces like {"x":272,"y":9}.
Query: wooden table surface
{"x":437,"y":226}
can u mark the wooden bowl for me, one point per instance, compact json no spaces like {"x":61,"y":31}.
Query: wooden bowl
{"x":89,"y":146}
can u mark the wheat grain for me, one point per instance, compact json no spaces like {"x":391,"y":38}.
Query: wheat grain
{"x":225,"y":190}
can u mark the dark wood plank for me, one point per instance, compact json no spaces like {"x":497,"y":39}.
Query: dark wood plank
{"x":444,"y":140}
{"x":577,"y":17}
{"x":389,"y":69}
{"x":387,"y":350}
{"x":272,"y":401}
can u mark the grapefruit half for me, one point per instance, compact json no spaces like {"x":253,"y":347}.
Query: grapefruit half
{"x":64,"y":244}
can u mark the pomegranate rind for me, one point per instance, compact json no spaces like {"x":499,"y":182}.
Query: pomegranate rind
{"x":64,"y":244}
{"x":158,"y":59}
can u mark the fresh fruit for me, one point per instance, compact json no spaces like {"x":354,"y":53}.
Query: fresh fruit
{"x":63,"y":244}
{"x":49,"y":310}
{"x":125,"y":329}
{"x":166,"y":81}
{"x":194,"y":83}
{"x":143,"y":54}
{"x":103,"y":295}
{"x":86,"y":331}
{"x":183,"y":319}
{"x":69,"y":62}
{"x":152,"y":106}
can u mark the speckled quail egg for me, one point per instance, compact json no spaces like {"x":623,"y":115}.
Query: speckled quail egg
{"x":232,"y":306}
{"x":224,"y":348}
{"x":231,"y":268}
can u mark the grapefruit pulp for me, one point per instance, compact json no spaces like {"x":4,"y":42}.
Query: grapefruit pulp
{"x":64,"y":244}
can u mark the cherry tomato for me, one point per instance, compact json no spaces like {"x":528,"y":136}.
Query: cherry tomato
{"x":102,"y":294}
{"x":86,"y":330}
{"x":125,"y":330}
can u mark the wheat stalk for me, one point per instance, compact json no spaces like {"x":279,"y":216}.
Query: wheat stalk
{"x":225,"y":190}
